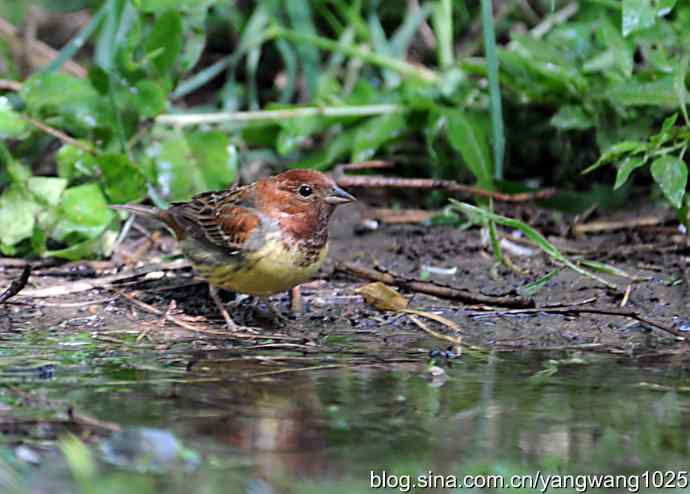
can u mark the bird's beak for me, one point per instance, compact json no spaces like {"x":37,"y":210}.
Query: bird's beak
{"x":339,"y":196}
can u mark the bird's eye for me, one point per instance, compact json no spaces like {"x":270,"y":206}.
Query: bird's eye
{"x":305,"y":190}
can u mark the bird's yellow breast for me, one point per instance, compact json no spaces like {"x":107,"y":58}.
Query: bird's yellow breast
{"x":271,"y":269}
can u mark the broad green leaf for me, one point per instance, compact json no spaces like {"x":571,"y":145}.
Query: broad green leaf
{"x":146,"y":97}
{"x":123,"y":181}
{"x":375,"y":132}
{"x":18,"y":173}
{"x":637,"y":15}
{"x":83,"y":212}
{"x":73,"y":99}
{"x":73,"y":162}
{"x":165,"y":42}
{"x":634,"y":93}
{"x":336,"y":149}
{"x":215,"y":157}
{"x":571,"y":117}
{"x":621,"y":51}
{"x":672,"y":176}
{"x":17,"y":216}
{"x":47,"y":190}
{"x":101,"y":246}
{"x":630,"y":164}
{"x":467,"y":136}
{"x":12,"y":125}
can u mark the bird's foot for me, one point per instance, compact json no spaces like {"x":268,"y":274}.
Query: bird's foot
{"x":229,"y":322}
{"x":278,"y":317}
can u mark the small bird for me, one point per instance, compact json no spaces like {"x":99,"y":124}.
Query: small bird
{"x":258,"y":239}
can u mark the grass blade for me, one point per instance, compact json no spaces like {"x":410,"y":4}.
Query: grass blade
{"x":494,"y":89}
{"x":77,"y":42}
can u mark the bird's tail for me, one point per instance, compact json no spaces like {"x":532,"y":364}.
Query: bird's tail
{"x":157,"y":214}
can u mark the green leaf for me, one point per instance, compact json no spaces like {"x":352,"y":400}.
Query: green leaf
{"x":73,"y":162}
{"x":615,"y":151}
{"x":215,"y":157}
{"x":679,"y":86}
{"x":571,"y":117}
{"x":672,"y":176}
{"x":12,"y":125}
{"x":630,"y":164}
{"x":622,"y":53}
{"x":467,"y":136}
{"x":165,"y":41}
{"x":637,"y":15}
{"x":83,"y":212}
{"x":47,"y":190}
{"x":634,"y":93}
{"x":296,"y":131}
{"x":146,"y":97}
{"x":73,"y":99}
{"x":17,"y":216}
{"x":375,"y":132}
{"x":123,"y":181}
{"x":101,"y":246}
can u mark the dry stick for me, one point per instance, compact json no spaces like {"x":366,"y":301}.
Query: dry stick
{"x":610,"y":226}
{"x":10,"y":85}
{"x":433,"y":288}
{"x":454,"y":340}
{"x":17,"y":285}
{"x":379,"y":181}
{"x":59,"y":134}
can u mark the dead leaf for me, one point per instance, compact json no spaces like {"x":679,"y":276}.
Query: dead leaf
{"x":383,"y":297}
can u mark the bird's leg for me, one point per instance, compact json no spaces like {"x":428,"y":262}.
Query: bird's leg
{"x":278,"y":317}
{"x":232,"y":325}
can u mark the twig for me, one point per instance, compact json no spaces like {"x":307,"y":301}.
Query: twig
{"x":17,"y":285}
{"x":610,"y":226}
{"x":59,"y":134}
{"x":553,"y":20}
{"x":433,"y":288}
{"x":92,"y":422}
{"x":379,"y":181}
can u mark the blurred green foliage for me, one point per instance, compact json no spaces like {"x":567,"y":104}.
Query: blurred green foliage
{"x":180,"y":94}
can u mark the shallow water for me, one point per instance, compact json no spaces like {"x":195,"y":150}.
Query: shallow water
{"x":222,"y":422}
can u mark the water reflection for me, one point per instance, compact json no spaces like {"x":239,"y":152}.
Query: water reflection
{"x":328,"y":429}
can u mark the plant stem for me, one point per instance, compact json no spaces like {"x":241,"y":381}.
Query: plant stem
{"x":270,"y":115}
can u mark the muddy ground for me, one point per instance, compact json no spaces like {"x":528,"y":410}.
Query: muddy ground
{"x":336,"y":317}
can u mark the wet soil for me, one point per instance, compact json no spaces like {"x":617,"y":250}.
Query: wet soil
{"x":656,"y":261}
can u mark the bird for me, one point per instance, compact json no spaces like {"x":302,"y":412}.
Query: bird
{"x":257,"y":239}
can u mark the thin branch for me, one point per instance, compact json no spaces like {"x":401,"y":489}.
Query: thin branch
{"x":435,"y":289}
{"x":59,"y":134}
{"x":379,"y":181}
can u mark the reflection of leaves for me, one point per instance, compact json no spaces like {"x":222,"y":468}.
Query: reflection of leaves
{"x":672,"y":176}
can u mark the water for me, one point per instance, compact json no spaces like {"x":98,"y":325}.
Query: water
{"x":222,"y":420}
